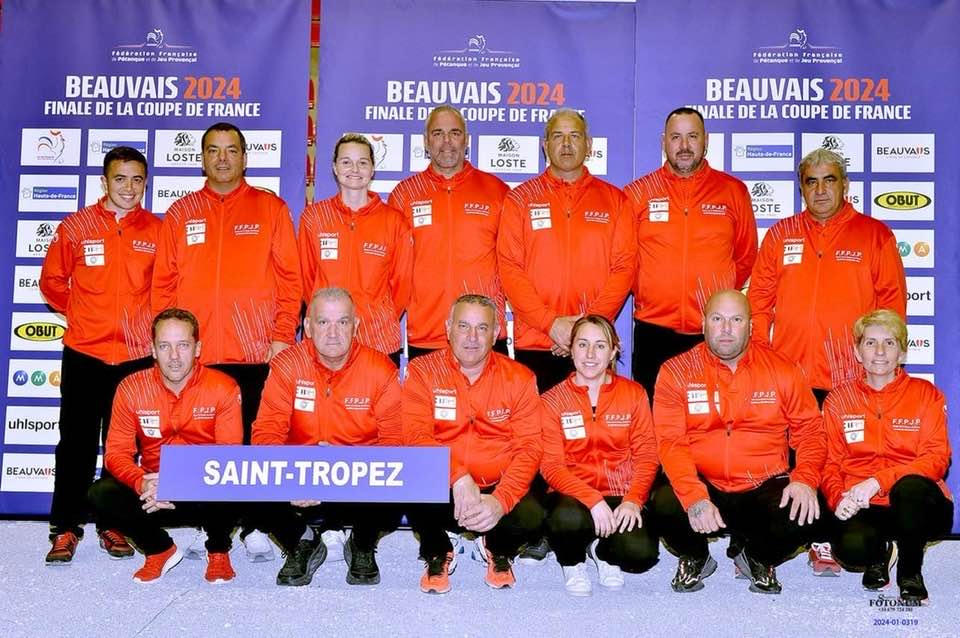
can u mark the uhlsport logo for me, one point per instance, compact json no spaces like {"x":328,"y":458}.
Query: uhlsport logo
{"x":798,"y":49}
{"x":921,"y":296}
{"x":32,"y":425}
{"x":154,"y":47}
{"x":476,"y":54}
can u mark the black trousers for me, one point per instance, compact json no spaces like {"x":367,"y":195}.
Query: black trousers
{"x":523,"y":524}
{"x":288,"y":523}
{"x":918,"y":513}
{"x":570,"y":531}
{"x":652,"y":346}
{"x":550,"y":370}
{"x":251,"y":378}
{"x":119,"y":507}
{"x":768,"y":534}
{"x":87,"y":387}
{"x":500,"y":345}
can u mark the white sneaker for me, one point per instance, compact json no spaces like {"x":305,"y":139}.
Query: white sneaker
{"x":335,"y":540}
{"x":259,"y":548}
{"x":609,"y":576}
{"x":478,"y":552}
{"x":576,"y":581}
{"x":197,"y":549}
{"x":458,"y":548}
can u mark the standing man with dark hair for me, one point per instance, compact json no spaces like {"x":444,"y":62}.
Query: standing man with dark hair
{"x":454,"y":210}
{"x":566,"y":249}
{"x":228,"y":254}
{"x":696,"y":234}
{"x":97,"y":274}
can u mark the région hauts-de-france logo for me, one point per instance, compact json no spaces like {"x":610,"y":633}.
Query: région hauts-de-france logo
{"x":476,"y":55}
{"x":154,"y":48}
{"x":798,"y":50}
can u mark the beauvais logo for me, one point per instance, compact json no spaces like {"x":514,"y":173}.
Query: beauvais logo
{"x":39,"y":331}
{"x":902,"y":200}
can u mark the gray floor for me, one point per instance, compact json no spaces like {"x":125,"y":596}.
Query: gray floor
{"x":96,"y":597}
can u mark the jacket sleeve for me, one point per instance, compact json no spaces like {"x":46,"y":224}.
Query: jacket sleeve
{"x":933,"y":447}
{"x":762,"y":293}
{"x":121,"y":448}
{"x":622,"y":268}
{"x":289,"y":283}
{"x":745,"y":235}
{"x":805,"y":433}
{"x":831,"y":484}
{"x":511,"y":260}
{"x":673,"y":444}
{"x":553,"y":466}
{"x":643,"y":452}
{"x":401,"y":271}
{"x":272,"y":425}
{"x":526,"y":449}
{"x":163,"y":293}
{"x":57,"y":271}
{"x":308,"y":247}
{"x":889,"y":280}
{"x":387,"y":408}
{"x":228,"y":428}
{"x":418,"y":424}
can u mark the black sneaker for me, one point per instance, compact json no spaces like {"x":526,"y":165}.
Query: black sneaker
{"x":302,"y":563}
{"x":534,"y":553}
{"x":763,"y":578}
{"x":912,"y":588}
{"x":878,"y":576}
{"x":362,"y":565}
{"x":691,"y":572}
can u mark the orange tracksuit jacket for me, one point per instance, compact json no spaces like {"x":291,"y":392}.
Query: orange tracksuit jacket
{"x":492,"y":426}
{"x":305,"y":403}
{"x":812,"y":281}
{"x":455,"y":223}
{"x":147,"y":415}
{"x":232,"y":261}
{"x":734,"y":428}
{"x":696,"y":235}
{"x":611,"y":453}
{"x":369,"y":253}
{"x":97,"y":273}
{"x":885,"y":434}
{"x":564,"y":249}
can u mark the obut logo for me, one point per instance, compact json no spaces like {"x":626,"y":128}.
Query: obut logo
{"x":902,"y":200}
{"x":39,"y":331}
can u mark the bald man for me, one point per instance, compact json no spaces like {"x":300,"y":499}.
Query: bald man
{"x":725,"y":415}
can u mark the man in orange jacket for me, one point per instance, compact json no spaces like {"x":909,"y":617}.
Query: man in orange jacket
{"x":176,"y":402}
{"x":566,"y":249}
{"x":228,"y":254}
{"x":726,"y":414}
{"x":330,"y":390}
{"x":97,"y":274}
{"x":819,"y":271}
{"x":485,"y":407}
{"x":696,"y":234}
{"x":454,"y":210}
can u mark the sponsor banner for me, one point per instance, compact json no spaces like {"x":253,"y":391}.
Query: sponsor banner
{"x":772,"y":198}
{"x":920,"y":344}
{"x":920,"y":296}
{"x":849,"y":146}
{"x":32,"y":425}
{"x":101,"y":141}
{"x":178,"y":148}
{"x":855,"y":195}
{"x":294,"y":472}
{"x":916,"y":247}
{"x":387,"y":151}
{"x":169,"y":188}
{"x":37,"y":331}
{"x":929,"y":376}
{"x":263,"y":148}
{"x":509,"y":154}
{"x":384,"y":186}
{"x":26,"y":285}
{"x":420,"y":156}
{"x":716,"y":155}
{"x":50,"y":147}
{"x":34,"y":378}
{"x":902,"y":201}
{"x":755,"y":152}
{"x":902,"y":152}
{"x":596,"y":161}
{"x":34,"y":237}
{"x":27,"y":472}
{"x":48,"y":193}
{"x":93,"y":191}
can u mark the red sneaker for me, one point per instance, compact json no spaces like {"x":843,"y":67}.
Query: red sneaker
{"x":63,"y":549}
{"x":219,"y":569}
{"x":820,"y":559}
{"x":157,"y":565}
{"x":115,"y":544}
{"x":436,"y":577}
